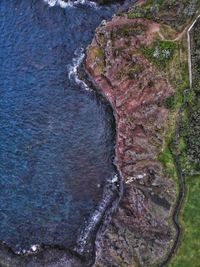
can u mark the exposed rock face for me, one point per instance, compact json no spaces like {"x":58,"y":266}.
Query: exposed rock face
{"x":141,"y":231}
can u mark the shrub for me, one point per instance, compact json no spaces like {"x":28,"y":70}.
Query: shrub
{"x":170,"y":102}
{"x":160,"y":53}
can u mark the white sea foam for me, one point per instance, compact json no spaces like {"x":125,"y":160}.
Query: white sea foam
{"x":69,"y":3}
{"x":34,"y":248}
{"x":31,"y":250}
{"x":115,"y":179}
{"x":73,"y":69}
{"x":98,"y":214}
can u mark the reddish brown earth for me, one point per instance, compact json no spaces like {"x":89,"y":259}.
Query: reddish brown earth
{"x":141,"y":231}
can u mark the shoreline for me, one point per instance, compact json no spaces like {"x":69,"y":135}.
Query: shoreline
{"x":115,"y":186}
{"x":124,"y":97}
{"x":89,"y":244}
{"x":84,"y":252}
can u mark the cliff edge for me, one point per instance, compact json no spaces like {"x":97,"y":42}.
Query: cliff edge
{"x":132,"y":60}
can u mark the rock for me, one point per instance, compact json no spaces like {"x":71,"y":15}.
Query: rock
{"x":141,"y":230}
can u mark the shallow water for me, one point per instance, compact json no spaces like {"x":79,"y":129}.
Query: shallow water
{"x":56,"y":139}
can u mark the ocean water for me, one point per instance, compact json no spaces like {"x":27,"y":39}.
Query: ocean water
{"x":56,"y":137}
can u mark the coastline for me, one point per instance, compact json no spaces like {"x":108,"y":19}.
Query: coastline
{"x":118,"y":209}
{"x":107,"y":86}
{"x":113,"y":187}
{"x":106,"y":63}
{"x":45,"y":255}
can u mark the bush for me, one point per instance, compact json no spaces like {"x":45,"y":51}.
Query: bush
{"x":170,"y":102}
{"x":160,"y":53}
{"x":192,"y":134}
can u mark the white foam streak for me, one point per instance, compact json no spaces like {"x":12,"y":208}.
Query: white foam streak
{"x":33,"y":249}
{"x":69,"y":3}
{"x":98,"y":214}
{"x":73,"y":69}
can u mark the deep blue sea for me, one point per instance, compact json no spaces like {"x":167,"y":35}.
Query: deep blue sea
{"x":56,"y":138}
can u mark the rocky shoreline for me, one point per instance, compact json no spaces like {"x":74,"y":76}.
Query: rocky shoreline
{"x":141,"y":231}
{"x":138,"y":61}
{"x":84,"y":254}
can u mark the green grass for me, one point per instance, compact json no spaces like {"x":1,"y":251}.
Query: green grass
{"x":170,"y":102}
{"x":165,"y":157}
{"x":160,"y":53}
{"x":145,"y":11}
{"x":97,"y":56}
{"x":188,"y":254}
{"x":177,"y":73}
{"x":182,"y":145}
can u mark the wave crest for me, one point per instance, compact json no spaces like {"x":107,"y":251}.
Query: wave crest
{"x":69,"y":3}
{"x":73,"y":69}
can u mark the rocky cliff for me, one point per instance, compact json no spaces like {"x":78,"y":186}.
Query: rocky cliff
{"x":138,"y":61}
{"x":141,"y":230}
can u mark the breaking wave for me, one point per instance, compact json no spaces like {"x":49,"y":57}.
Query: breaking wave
{"x":103,"y":212}
{"x":73,"y":69}
{"x":69,"y":3}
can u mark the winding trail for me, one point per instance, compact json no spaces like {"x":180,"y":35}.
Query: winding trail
{"x":181,"y":194}
{"x":181,"y":178}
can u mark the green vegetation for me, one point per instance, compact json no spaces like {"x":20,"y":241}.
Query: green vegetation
{"x":128,"y":30}
{"x":181,"y":145}
{"x":148,"y":10}
{"x":195,"y":58}
{"x":171,"y":12}
{"x":191,"y":127}
{"x":175,"y":68}
{"x":160,"y":53}
{"x":167,"y":161}
{"x":170,"y":57}
{"x":170,"y":102}
{"x":192,"y":135}
{"x":188,"y":254}
{"x":97,"y":56}
{"x":174,"y":64}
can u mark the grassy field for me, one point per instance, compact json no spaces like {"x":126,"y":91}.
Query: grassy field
{"x":188,"y":254}
{"x":176,"y":68}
